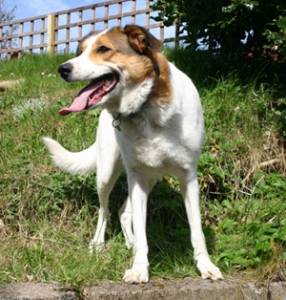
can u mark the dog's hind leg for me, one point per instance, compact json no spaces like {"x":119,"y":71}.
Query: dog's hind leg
{"x":125,"y":216}
{"x":109,"y":168}
{"x":104,"y":187}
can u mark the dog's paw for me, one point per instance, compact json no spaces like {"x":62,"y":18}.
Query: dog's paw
{"x":95,"y":247}
{"x":137,"y":274}
{"x":208,"y":269}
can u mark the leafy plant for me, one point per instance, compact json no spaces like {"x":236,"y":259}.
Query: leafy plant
{"x":248,"y":29}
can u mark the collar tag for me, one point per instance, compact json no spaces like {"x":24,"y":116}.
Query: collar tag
{"x":116,"y":122}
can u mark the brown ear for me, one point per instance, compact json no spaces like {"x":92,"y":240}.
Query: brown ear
{"x":141,"y":40}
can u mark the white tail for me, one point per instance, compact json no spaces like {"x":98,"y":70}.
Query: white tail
{"x":81,"y":162}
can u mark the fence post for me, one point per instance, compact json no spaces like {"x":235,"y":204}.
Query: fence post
{"x":51,"y":33}
{"x":177,"y":33}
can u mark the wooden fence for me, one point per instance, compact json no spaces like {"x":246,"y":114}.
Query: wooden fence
{"x":60,"y":31}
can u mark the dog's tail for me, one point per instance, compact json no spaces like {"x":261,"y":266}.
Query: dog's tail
{"x":81,"y":162}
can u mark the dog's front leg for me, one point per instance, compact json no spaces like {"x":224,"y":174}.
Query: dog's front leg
{"x":139,"y":189}
{"x":190,"y":189}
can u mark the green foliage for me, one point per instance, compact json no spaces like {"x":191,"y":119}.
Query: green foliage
{"x":262,"y":220}
{"x":276,"y":38}
{"x":49,"y":216}
{"x":249,"y":29}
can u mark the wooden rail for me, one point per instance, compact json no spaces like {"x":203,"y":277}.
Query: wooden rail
{"x":60,"y":31}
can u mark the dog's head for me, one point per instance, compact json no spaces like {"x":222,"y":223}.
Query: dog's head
{"x":116,"y":62}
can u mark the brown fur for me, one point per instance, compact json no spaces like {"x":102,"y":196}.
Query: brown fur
{"x":82,"y":46}
{"x":140,"y":39}
{"x":135,"y":50}
{"x":162,"y":90}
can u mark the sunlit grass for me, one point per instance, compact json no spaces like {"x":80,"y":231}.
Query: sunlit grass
{"x":49,"y":217}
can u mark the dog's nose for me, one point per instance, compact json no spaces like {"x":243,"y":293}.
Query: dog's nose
{"x":65,"y":70}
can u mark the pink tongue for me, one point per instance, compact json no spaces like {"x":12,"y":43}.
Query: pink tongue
{"x":80,"y":102}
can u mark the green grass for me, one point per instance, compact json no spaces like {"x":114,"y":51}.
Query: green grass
{"x":49,"y":216}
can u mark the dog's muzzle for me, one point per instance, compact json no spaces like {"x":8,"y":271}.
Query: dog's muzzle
{"x":65,"y":70}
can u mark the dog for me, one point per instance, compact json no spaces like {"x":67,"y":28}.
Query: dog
{"x":151,"y":125}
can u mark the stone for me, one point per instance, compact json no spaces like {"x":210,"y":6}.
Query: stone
{"x":277,"y":290}
{"x":36,"y":291}
{"x":10,"y":84}
{"x":157,"y":289}
{"x":186,"y":289}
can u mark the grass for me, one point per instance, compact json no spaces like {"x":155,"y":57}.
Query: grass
{"x":48,"y":217}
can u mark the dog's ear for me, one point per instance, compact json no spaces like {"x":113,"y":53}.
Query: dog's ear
{"x":141,"y":40}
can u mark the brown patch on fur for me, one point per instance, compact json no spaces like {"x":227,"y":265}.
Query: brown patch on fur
{"x":139,"y":66}
{"x":162,"y":91}
{"x":141,"y":40}
{"x":144,"y":43}
{"x":121,"y":54}
{"x":82,"y":46}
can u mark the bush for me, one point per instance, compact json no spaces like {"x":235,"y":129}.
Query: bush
{"x":248,"y":29}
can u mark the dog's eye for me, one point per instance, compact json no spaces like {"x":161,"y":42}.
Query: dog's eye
{"x":102,"y":49}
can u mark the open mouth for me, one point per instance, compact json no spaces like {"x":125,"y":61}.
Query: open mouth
{"x":92,"y":94}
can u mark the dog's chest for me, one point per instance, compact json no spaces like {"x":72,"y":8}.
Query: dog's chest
{"x":154,"y":151}
{"x":155,"y":148}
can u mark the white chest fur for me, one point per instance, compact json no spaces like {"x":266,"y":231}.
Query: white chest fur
{"x":158,"y":150}
{"x":152,"y":147}
{"x":165,"y":139}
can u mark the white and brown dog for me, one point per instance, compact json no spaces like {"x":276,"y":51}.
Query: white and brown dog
{"x":151,"y":125}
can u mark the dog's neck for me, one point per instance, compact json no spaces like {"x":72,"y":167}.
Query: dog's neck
{"x":149,"y":99}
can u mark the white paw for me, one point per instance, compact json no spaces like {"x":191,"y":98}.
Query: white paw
{"x":95,"y":246}
{"x":208,"y":269}
{"x":138,"y":274}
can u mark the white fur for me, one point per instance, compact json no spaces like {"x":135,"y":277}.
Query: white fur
{"x":159,"y":140}
{"x":73,"y":162}
{"x":132,"y":100}
{"x":83,"y":68}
